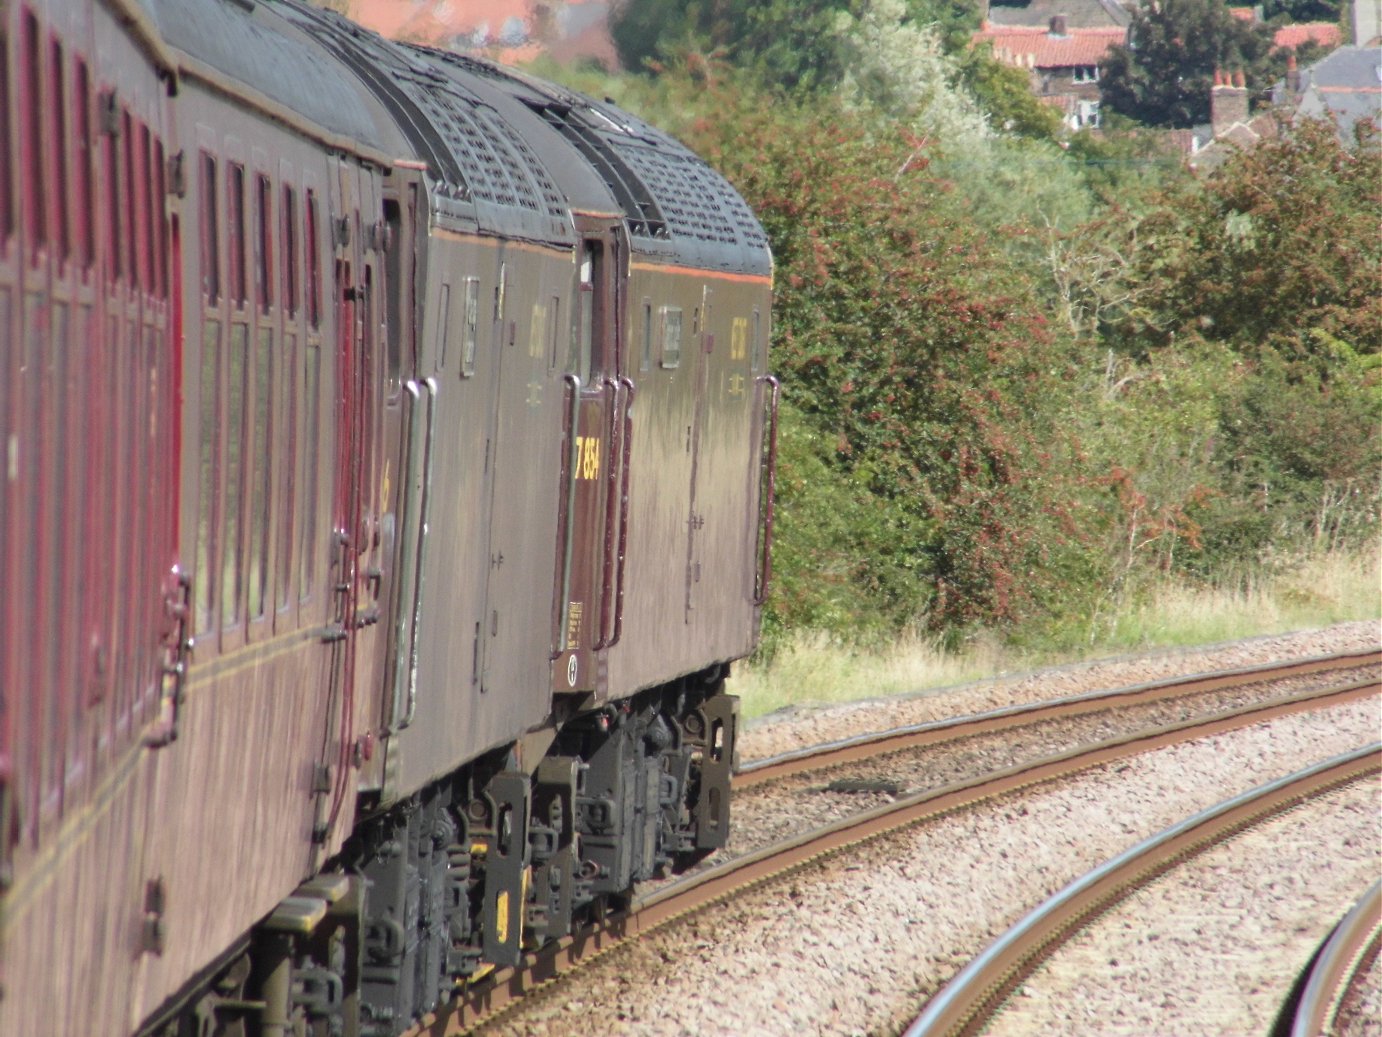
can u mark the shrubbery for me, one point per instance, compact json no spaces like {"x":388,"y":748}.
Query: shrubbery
{"x":1021,"y":379}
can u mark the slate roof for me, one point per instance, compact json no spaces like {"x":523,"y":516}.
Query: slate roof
{"x":1035,"y":47}
{"x":1079,"y":14}
{"x":1346,"y":85}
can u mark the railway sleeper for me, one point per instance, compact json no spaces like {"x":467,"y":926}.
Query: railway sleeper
{"x":467,"y":874}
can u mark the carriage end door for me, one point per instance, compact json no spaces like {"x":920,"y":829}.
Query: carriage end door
{"x":593,"y":519}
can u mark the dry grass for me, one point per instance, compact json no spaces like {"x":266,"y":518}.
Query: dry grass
{"x":1315,"y":592}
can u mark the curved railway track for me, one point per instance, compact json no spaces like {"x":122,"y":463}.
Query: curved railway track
{"x":870,"y":746}
{"x":504,"y":989}
{"x":969,"y":1000}
{"x":1342,"y":958}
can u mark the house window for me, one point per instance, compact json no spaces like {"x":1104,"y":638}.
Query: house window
{"x":1086,"y":74}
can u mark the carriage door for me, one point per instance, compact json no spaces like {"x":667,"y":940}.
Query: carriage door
{"x":409,"y":419}
{"x":588,"y":614}
{"x":349,"y":537}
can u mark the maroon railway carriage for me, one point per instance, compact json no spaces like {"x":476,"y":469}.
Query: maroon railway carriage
{"x":89,"y":492}
{"x":387,"y":489}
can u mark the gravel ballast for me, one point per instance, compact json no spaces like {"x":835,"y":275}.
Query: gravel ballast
{"x":802,"y":726}
{"x":856,"y":944}
{"x":1213,"y":946}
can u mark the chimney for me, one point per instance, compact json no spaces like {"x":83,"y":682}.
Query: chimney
{"x":1228,"y":101}
{"x":1292,"y":77}
{"x":1058,"y":25}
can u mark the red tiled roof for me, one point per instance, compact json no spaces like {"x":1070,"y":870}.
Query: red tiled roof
{"x":1326,"y":34}
{"x":576,"y":28}
{"x":439,"y":22}
{"x":1244,"y":14}
{"x":1034,"y":46}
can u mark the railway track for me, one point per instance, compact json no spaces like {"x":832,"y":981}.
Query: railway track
{"x":969,"y":1001}
{"x":683,"y":898}
{"x":871,"y":746}
{"x":1343,"y":957}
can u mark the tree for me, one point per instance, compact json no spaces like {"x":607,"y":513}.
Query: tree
{"x":925,"y":384}
{"x":1279,"y":244}
{"x":899,"y":68}
{"x":1302,"y":10}
{"x":1005,"y":94}
{"x":793,"y":45}
{"x":1273,"y":258}
{"x":790,"y":43}
{"x":1163,"y":75}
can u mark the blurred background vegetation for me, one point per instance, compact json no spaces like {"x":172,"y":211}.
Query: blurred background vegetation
{"x":1032,"y":381}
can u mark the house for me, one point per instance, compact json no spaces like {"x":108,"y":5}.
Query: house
{"x":1326,"y":35}
{"x":1078,"y":14}
{"x":1062,"y":61}
{"x":507,"y":30}
{"x":1231,"y":127}
{"x":1345,"y":85}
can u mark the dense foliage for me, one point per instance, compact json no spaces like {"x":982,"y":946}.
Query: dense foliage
{"x":1163,"y":75}
{"x":1022,"y":379}
{"x":1274,"y":260}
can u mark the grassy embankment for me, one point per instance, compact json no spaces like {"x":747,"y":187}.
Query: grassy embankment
{"x":1316,"y":592}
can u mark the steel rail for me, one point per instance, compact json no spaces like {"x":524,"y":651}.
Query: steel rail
{"x":1354,"y":940}
{"x":969,"y":1000}
{"x":506,"y":986}
{"x":870,"y":746}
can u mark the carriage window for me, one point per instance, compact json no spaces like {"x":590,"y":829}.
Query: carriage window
{"x":30,"y":151}
{"x":263,"y":242}
{"x":311,"y":392}
{"x":585,"y":315}
{"x":211,"y":247}
{"x":160,"y":228}
{"x":671,"y":337}
{"x":472,"y":326}
{"x":290,"y":251}
{"x":57,"y":104}
{"x":110,"y":201}
{"x":209,"y":470}
{"x":235,"y":216}
{"x":645,"y":360}
{"x":127,"y":216}
{"x":260,"y":471}
{"x":286,"y":409}
{"x":313,"y":264}
{"x":145,"y":213}
{"x":86,"y":243}
{"x":237,"y":377}
{"x":6,"y":203}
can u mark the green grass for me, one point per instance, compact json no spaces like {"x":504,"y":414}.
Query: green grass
{"x":1312,"y":592}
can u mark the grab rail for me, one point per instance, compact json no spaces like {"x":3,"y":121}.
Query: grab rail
{"x":765,"y":563}
{"x":630,"y":391}
{"x":611,"y":388}
{"x":572,"y":460}
{"x":420,"y":552}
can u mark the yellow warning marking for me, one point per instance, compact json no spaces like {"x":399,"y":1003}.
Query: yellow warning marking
{"x":501,"y":919}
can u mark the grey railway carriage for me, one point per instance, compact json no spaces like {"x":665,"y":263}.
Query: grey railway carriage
{"x":387,"y":452}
